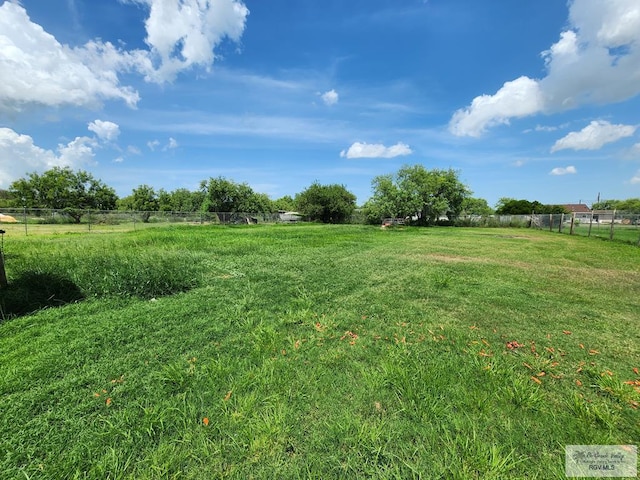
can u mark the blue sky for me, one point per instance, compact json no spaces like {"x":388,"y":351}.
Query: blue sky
{"x":534,"y":99}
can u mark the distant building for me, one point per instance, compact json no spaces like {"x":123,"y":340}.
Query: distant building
{"x":582,"y":211}
{"x":291,"y":217}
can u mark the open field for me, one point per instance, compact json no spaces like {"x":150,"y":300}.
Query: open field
{"x":310,"y":351}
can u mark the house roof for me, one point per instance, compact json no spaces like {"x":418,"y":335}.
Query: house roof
{"x":577,"y":208}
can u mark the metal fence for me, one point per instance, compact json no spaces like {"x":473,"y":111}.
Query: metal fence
{"x":26,"y":220}
{"x":609,"y":225}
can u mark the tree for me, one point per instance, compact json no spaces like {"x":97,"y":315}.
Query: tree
{"x":630,"y":205}
{"x":476,"y":206}
{"x":180,"y":200}
{"x":64,"y":189}
{"x":511,"y":206}
{"x":286,"y":204}
{"x":326,"y":203}
{"x":7,"y":199}
{"x":417,"y":193}
{"x":142,"y":199}
{"x":222,"y":195}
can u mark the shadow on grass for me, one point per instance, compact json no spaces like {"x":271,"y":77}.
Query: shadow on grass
{"x":31,"y":292}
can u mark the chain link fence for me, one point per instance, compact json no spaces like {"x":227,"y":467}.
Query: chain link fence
{"x":605,"y":224}
{"x":27,"y":220}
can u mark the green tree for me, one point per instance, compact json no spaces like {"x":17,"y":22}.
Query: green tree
{"x":7,"y":199}
{"x":286,"y":204}
{"x":511,"y":206}
{"x":417,"y":193}
{"x":476,"y":206}
{"x":180,"y":200}
{"x":326,"y":203}
{"x":630,"y":205}
{"x":222,"y":195}
{"x":64,"y":189}
{"x":142,"y":199}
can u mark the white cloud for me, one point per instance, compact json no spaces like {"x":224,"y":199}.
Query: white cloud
{"x":172,"y":144}
{"x":118,"y":160}
{"x":594,"y":136}
{"x":19,"y":155}
{"x":153,"y":144}
{"x":519,"y":98}
{"x":366,"y":150}
{"x":184,"y":33}
{"x":519,"y":163}
{"x":133,"y":150}
{"x":330,"y":98}
{"x":595,"y":61}
{"x":37,"y":69}
{"x":107,"y":131}
{"x":635,"y":180}
{"x":563,"y":171}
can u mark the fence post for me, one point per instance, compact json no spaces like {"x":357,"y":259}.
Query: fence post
{"x":573,"y":221}
{"x":551,"y":222}
{"x":590,"y":223}
{"x":613,"y":217}
{"x":24,"y":217}
{"x":561,"y":222}
{"x":3,"y":274}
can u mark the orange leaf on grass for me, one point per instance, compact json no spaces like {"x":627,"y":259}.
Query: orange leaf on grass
{"x":227,"y":396}
{"x":566,"y":332}
{"x":593,"y":352}
{"x":108,"y":402}
{"x":579,"y":383}
{"x":205,"y":421}
{"x":636,"y":371}
{"x":537,"y":380}
{"x":528,"y":366}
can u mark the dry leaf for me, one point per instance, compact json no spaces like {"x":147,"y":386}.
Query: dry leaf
{"x":636,"y":371}
{"x":566,"y":332}
{"x":108,"y":402}
{"x":227,"y":396}
{"x":579,"y":383}
{"x":593,"y":352}
{"x":536,"y":379}
{"x":205,"y":421}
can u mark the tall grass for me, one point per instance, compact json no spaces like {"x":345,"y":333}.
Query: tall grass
{"x":320,"y":352}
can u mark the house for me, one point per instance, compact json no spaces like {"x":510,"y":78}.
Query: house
{"x":582,"y":211}
{"x":603,"y":216}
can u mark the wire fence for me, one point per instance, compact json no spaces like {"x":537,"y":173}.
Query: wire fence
{"x":32,"y":221}
{"x":605,"y":224}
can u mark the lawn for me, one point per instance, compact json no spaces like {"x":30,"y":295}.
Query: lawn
{"x":310,"y":351}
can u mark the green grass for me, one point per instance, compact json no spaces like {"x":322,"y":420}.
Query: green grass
{"x":315,"y":352}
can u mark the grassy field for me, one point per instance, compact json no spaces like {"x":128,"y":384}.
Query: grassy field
{"x":305,"y":351}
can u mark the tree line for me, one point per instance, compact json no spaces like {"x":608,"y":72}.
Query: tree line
{"x":420,"y":195}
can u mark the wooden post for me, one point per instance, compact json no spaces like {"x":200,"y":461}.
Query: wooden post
{"x":3,"y":275}
{"x":612,"y":219}
{"x":561,"y":222}
{"x":590,"y":223}
{"x":551,"y":222}
{"x":573,"y":222}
